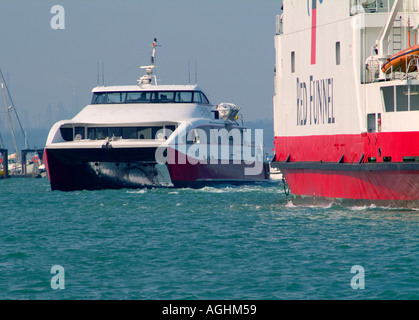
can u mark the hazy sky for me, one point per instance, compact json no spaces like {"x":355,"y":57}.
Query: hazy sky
{"x":232,"y":42}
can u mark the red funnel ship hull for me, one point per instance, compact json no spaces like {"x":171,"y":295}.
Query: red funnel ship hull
{"x":347,"y":131}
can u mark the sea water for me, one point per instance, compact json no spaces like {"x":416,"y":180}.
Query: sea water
{"x":228,"y":242}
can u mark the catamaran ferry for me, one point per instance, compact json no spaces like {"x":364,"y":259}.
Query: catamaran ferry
{"x":152,"y":135}
{"x":346,"y":103}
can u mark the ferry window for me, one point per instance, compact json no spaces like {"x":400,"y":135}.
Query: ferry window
{"x":293,"y":62}
{"x":183,"y":97}
{"x":79,"y":133}
{"x":67,"y":134}
{"x":204,"y":99}
{"x":337,"y":53}
{"x":154,"y":131}
{"x":129,"y":133}
{"x":99,"y":98}
{"x":402,"y":98}
{"x":144,"y":133}
{"x":101,"y":133}
{"x":414,"y":98}
{"x":197,"y":97}
{"x":171,"y":128}
{"x":114,"y":132}
{"x":115,"y":97}
{"x":163,"y":133}
{"x":149,"y":97}
{"x":91,"y":133}
{"x":138,"y":97}
{"x":388,"y":98}
{"x":148,"y":133}
{"x":164,"y":97}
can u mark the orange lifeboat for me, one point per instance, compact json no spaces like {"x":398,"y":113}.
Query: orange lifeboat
{"x":400,"y":61}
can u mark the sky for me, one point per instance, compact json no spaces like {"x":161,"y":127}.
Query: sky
{"x":51,"y":72}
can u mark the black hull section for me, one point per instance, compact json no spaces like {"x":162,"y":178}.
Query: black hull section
{"x":96,"y":169}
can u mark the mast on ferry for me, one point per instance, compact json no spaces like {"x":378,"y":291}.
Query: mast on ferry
{"x":148,"y":78}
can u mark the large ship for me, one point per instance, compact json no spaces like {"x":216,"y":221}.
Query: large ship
{"x":152,"y":135}
{"x":346,"y":103}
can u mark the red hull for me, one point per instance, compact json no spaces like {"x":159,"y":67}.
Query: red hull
{"x":386,"y":188}
{"x":338,"y":167}
{"x":330,"y":148}
{"x":379,"y":185}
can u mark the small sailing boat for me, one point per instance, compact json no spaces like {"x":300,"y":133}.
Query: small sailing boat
{"x":16,"y":165}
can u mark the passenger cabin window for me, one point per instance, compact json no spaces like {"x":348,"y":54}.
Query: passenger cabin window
{"x":67,"y":134}
{"x":102,"y":133}
{"x":138,"y":97}
{"x":400,"y":98}
{"x":183,"y":97}
{"x":79,"y":133}
{"x":149,"y":97}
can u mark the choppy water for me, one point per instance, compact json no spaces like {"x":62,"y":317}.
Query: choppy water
{"x":244,"y":242}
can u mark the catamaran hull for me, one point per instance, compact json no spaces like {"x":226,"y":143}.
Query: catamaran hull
{"x":95,"y":169}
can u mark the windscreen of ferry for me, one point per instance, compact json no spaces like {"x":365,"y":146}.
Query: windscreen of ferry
{"x":149,"y":97}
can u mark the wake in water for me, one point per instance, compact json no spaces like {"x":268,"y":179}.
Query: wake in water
{"x":139,"y":191}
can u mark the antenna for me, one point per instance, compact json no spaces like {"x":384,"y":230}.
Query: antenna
{"x":196,"y":73}
{"x":154,"y":51}
{"x":148,"y":77}
{"x":97,"y":74}
{"x":189,"y":71}
{"x":103,"y":73}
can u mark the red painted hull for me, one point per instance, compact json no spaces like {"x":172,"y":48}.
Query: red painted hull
{"x":380,"y":185}
{"x":330,"y":148}
{"x":341,"y":168}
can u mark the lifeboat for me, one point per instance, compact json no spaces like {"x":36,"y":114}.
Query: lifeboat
{"x":401,"y":60}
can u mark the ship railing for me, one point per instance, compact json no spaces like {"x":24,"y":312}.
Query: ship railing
{"x":406,"y":71}
{"x":380,"y":6}
{"x":373,"y":70}
{"x":413,"y":65}
{"x":369,"y":6}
